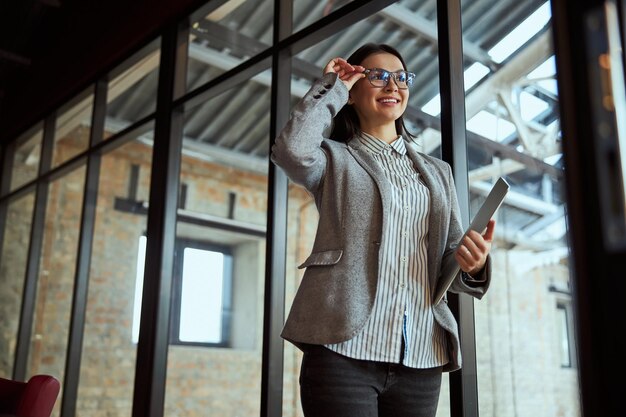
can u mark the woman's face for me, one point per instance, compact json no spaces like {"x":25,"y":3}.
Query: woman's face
{"x":379,"y":106}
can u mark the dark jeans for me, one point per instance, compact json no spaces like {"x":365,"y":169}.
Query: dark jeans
{"x":333,"y":385}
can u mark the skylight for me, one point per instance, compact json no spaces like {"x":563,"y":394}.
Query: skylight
{"x":473,"y":74}
{"x":488,"y":125}
{"x":544,"y":71}
{"x":553,"y":159}
{"x":531,"y":106}
{"x":433,"y":107}
{"x":521,"y":34}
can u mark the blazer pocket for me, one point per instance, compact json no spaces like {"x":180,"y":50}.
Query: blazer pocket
{"x":329,"y":257}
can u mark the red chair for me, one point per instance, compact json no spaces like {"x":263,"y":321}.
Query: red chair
{"x":34,"y":398}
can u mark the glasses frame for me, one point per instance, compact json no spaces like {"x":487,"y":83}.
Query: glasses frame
{"x":394,"y":75}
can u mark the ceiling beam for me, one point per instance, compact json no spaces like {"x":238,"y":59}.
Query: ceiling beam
{"x":421,"y":26}
{"x":511,"y":73}
{"x":242,"y":45}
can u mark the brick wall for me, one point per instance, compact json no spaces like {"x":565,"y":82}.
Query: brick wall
{"x":12,"y":270}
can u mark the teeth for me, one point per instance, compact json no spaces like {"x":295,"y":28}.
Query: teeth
{"x":388,"y":100}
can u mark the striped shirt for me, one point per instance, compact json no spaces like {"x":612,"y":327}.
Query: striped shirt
{"x":402,"y":307}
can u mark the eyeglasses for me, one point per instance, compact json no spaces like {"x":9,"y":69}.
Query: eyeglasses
{"x":379,"y":78}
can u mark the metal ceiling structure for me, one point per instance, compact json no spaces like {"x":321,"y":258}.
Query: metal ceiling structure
{"x":233,"y":127}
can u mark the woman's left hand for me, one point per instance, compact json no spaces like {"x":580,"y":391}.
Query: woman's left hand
{"x":473,"y":250}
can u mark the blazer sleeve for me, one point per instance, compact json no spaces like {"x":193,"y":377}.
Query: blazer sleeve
{"x":475,"y":286}
{"x":297,"y":149}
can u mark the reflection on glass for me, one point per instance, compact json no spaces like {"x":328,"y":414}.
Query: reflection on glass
{"x":73,"y":124}
{"x":418,"y":47}
{"x":26,"y":157}
{"x":215,"y":353}
{"x":226,"y":37}
{"x":55,"y":283}
{"x":13,"y":259}
{"x":132,"y":93}
{"x":522,"y":330}
{"x":107,"y":371}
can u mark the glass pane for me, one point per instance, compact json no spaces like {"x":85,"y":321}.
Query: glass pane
{"x":227,"y":36}
{"x":13,"y":259}
{"x":108,"y":343}
{"x":73,"y":126}
{"x":514,"y":133}
{"x":306,"y":12}
{"x":55,"y":283}
{"x":418,"y":46}
{"x":133,"y":89}
{"x":26,"y":157}
{"x":222,"y":208}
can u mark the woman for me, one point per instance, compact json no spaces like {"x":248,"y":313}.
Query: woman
{"x":373,"y":343}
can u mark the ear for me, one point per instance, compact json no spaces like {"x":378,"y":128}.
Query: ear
{"x":350,"y":101}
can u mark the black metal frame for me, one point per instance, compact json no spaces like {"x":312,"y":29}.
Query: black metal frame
{"x":172,"y":100}
{"x":276,"y":247}
{"x":463,"y":383}
{"x":149,"y":393}
{"x":6,"y":166}
{"x":596,"y":270}
{"x":29,"y":295}
{"x":83,"y":259}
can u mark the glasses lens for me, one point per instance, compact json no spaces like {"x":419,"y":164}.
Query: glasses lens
{"x":401,"y":79}
{"x":378,"y":78}
{"x":409,"y":78}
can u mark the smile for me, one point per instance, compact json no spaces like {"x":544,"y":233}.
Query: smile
{"x":389,"y":100}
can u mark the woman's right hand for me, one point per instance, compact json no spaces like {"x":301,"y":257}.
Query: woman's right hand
{"x":347,"y":73}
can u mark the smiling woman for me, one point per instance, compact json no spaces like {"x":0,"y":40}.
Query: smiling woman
{"x":379,"y":103}
{"x":388,"y":225}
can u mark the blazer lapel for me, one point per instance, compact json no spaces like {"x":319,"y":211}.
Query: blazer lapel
{"x":367,"y":161}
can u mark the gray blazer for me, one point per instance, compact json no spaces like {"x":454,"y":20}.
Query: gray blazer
{"x":352,"y":195}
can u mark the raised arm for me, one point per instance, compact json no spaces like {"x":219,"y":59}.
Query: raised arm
{"x":297,"y":148}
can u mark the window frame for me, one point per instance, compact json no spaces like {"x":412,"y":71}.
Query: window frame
{"x":177,"y":285}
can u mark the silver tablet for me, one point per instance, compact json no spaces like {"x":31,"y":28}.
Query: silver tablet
{"x":485,"y":213}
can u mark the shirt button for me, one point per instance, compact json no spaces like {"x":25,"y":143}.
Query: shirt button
{"x":401,"y":285}
{"x":403,"y":259}
{"x":406,"y":207}
{"x":404,"y":234}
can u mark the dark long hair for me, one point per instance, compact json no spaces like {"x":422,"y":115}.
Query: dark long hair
{"x":346,"y":123}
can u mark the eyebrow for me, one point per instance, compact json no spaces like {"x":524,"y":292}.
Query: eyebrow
{"x":398,"y":70}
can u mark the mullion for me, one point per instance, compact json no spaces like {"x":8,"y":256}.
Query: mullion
{"x":463,"y":383}
{"x":83,"y":258}
{"x":152,"y":348}
{"x":31,"y":278}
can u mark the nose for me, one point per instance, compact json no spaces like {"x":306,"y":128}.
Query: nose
{"x":391,"y":84}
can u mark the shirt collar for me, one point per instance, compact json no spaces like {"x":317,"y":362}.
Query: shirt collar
{"x":377,"y":146}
